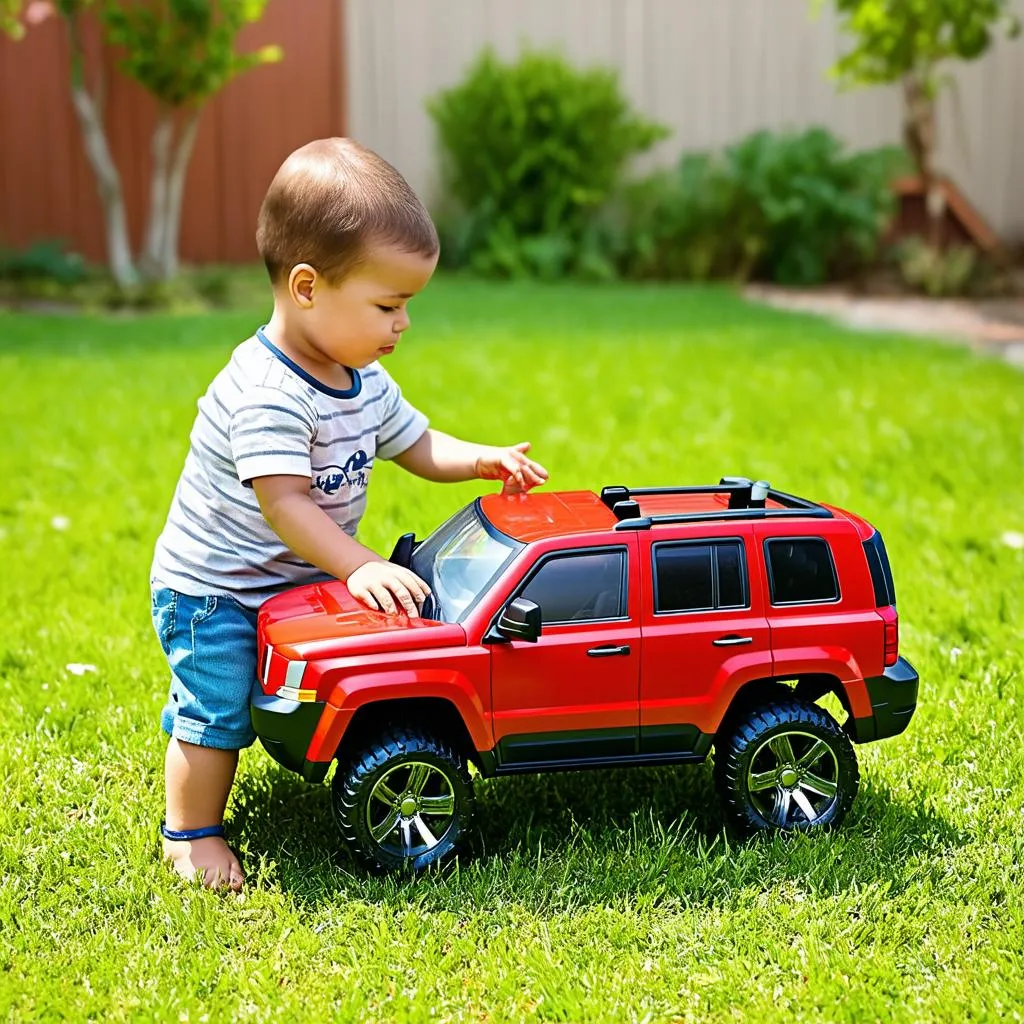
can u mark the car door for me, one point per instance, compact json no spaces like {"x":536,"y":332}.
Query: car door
{"x":820,"y":623}
{"x":705,"y":633}
{"x":574,"y":694}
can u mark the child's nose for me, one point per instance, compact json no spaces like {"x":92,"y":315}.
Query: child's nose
{"x":401,"y":322}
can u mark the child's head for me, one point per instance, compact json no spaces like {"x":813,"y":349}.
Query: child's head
{"x":346,"y":243}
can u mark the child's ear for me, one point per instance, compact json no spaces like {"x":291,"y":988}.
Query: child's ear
{"x":301,"y":283}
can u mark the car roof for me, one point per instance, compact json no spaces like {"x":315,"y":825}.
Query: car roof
{"x":540,"y":515}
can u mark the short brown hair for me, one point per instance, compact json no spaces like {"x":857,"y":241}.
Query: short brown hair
{"x":329,"y":202}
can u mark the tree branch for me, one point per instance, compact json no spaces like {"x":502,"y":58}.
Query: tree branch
{"x":176,"y":192}
{"x":156,"y":223}
{"x":97,"y":150}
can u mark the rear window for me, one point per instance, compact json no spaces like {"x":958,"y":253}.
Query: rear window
{"x":800,"y":571}
{"x":691,"y":577}
{"x":881,"y":573}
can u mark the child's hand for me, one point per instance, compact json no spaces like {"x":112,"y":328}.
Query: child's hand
{"x":382,"y":584}
{"x":510,"y":465}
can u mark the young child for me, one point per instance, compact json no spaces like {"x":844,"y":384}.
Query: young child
{"x":275,"y":479}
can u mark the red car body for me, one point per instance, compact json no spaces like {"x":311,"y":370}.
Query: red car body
{"x":628,"y":683}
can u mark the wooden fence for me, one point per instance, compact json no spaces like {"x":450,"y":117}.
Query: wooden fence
{"x":47,"y":189}
{"x":712,"y":70}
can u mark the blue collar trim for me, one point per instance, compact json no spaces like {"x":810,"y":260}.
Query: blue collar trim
{"x":357,"y":380}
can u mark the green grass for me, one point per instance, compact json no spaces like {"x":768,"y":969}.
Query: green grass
{"x":604,"y":896}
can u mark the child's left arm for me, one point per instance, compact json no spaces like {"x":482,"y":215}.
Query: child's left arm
{"x":445,"y":459}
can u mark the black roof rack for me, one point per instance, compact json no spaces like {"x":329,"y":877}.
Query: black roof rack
{"x":747,"y":500}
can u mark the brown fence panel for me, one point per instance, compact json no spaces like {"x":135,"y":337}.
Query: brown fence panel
{"x":47,"y":189}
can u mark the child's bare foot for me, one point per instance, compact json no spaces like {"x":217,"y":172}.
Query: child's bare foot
{"x":210,"y":859}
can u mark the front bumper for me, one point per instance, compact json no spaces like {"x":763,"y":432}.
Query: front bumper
{"x":285,"y":728}
{"x":893,"y":697}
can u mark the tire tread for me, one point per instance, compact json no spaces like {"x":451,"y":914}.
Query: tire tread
{"x":751,"y":728}
{"x":352,"y":778}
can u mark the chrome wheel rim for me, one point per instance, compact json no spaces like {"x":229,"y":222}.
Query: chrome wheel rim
{"x":793,"y":779}
{"x":411,"y":809}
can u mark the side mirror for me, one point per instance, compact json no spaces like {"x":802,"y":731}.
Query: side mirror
{"x":402,"y":555}
{"x":520,"y":621}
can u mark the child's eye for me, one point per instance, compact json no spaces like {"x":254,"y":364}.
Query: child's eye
{"x":387,"y":309}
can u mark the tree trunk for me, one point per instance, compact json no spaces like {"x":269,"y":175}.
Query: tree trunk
{"x":920,"y":135}
{"x":156,"y":222}
{"x":108,"y":181}
{"x":176,"y":194}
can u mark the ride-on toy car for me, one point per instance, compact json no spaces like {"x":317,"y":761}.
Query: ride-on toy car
{"x":574,"y":630}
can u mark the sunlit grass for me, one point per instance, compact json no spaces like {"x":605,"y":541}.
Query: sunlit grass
{"x":602,"y":896}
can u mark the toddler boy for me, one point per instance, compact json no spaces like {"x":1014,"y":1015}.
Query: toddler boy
{"x":274,"y":483}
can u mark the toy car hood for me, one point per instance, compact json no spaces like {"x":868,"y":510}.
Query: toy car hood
{"x":325,"y":620}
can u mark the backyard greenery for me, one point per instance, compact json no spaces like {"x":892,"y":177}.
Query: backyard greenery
{"x":530,"y":151}
{"x":182,"y":52}
{"x":538,"y":182}
{"x":792,"y":207}
{"x":594,"y":897}
{"x":911,"y":42}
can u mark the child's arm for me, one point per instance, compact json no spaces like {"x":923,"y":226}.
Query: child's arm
{"x":308,"y":531}
{"x":445,"y":459}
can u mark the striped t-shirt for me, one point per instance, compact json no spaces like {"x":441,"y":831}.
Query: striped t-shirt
{"x":263,"y":415}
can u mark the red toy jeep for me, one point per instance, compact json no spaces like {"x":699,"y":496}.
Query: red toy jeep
{"x":575,"y":630}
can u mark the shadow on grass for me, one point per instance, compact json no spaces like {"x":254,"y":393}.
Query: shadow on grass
{"x":576,"y":839}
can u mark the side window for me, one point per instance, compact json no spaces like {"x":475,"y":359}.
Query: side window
{"x":699,"y":577}
{"x":800,"y":571}
{"x":732,"y":584}
{"x":575,"y":588}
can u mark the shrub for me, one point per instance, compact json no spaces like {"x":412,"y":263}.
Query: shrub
{"x":793,"y":208}
{"x":691,"y":223}
{"x":530,"y":150}
{"x":46,"y":260}
{"x":938,"y":273}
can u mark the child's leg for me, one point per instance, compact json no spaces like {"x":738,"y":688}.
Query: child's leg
{"x":197,"y":783}
{"x":210,"y":643}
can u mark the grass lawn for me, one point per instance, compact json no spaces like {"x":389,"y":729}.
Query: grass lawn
{"x":608,"y":896}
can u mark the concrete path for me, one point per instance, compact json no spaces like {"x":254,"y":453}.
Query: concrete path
{"x":995,"y":326}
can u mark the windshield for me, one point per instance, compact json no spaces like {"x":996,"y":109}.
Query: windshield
{"x":459,"y":560}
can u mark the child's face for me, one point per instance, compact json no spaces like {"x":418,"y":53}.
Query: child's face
{"x":362,"y":318}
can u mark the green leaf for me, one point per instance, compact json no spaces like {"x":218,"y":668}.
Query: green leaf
{"x":892,"y":38}
{"x":184,"y":51}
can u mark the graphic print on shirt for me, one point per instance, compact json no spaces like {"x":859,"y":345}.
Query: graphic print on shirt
{"x":353,"y":474}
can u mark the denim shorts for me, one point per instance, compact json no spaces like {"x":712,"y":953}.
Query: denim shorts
{"x":210,"y":643}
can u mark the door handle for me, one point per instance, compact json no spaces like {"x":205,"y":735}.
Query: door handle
{"x":607,"y":652}
{"x":732,"y":641}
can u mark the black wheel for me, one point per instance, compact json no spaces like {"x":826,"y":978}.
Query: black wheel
{"x":786,"y":766}
{"x":405,"y":802}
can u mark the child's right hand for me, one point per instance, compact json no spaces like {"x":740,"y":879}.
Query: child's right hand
{"x":386,"y":586}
